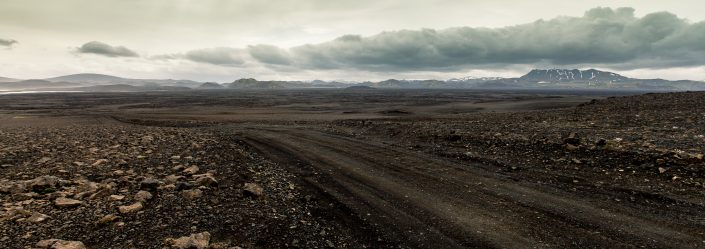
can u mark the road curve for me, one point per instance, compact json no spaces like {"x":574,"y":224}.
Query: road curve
{"x":425,"y":202}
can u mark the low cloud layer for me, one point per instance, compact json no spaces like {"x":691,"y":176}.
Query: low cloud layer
{"x":270,"y":54}
{"x":216,"y":56}
{"x":220,"y":56}
{"x":7,"y":42}
{"x":99,"y":48}
{"x":603,"y":36}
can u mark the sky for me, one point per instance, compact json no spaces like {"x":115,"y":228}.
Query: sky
{"x":223,"y":40}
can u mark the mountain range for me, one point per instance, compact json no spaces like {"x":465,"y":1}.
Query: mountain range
{"x":535,"y":79}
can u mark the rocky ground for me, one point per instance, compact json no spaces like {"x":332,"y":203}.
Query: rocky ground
{"x":645,"y":146}
{"x":98,"y":171}
{"x":126,"y":186}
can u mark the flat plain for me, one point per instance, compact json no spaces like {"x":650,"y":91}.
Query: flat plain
{"x":354,"y":168}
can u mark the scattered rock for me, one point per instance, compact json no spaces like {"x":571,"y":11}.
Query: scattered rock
{"x":107,"y":219}
{"x":44,"y":184}
{"x":253,"y":189}
{"x":167,"y":187}
{"x":131,"y":208}
{"x":99,"y":162}
{"x":571,"y":147}
{"x":102,"y":193}
{"x":572,"y":139}
{"x":9,"y":187}
{"x":66,"y":202}
{"x":37,"y":218}
{"x":150,"y":184}
{"x":173,"y":179}
{"x":195,"y":241}
{"x":183,"y":185}
{"x":24,"y":196}
{"x":191,"y":194}
{"x":60,"y":244}
{"x":143,"y":196}
{"x":44,"y":160}
{"x":116,"y":197}
{"x":191,"y":170}
{"x":205,"y":180}
{"x":46,"y":243}
{"x":662,"y":170}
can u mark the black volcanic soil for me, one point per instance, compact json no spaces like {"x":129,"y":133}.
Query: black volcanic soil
{"x":92,"y":159}
{"x":618,"y":141}
{"x":353,"y":169}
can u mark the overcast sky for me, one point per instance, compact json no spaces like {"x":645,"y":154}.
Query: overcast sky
{"x":222,"y":40}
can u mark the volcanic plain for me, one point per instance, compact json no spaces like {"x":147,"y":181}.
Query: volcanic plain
{"x":353,"y":168}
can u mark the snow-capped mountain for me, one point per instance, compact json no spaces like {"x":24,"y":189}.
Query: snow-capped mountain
{"x":571,"y":75}
{"x":473,"y":79}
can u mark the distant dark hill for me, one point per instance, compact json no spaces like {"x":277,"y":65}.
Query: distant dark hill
{"x":418,"y":84}
{"x":571,"y":75}
{"x":111,"y":88}
{"x":358,"y":87}
{"x":328,"y":84}
{"x":392,"y":83}
{"x":35,"y":84}
{"x":88,"y":78}
{"x":129,"y":88}
{"x":3,"y":79}
{"x":210,"y":85}
{"x":250,"y":83}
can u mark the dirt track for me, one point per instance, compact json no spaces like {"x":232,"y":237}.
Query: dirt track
{"x":430,"y":203}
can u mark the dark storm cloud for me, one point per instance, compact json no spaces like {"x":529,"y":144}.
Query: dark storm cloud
{"x":99,"y":48}
{"x":217,"y":56}
{"x":269,"y":54}
{"x":7,"y":42}
{"x":603,"y":36}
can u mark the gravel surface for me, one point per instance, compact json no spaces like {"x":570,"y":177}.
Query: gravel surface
{"x":126,"y":186}
{"x":346,"y":169}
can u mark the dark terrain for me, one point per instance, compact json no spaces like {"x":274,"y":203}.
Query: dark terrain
{"x":353,"y":168}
